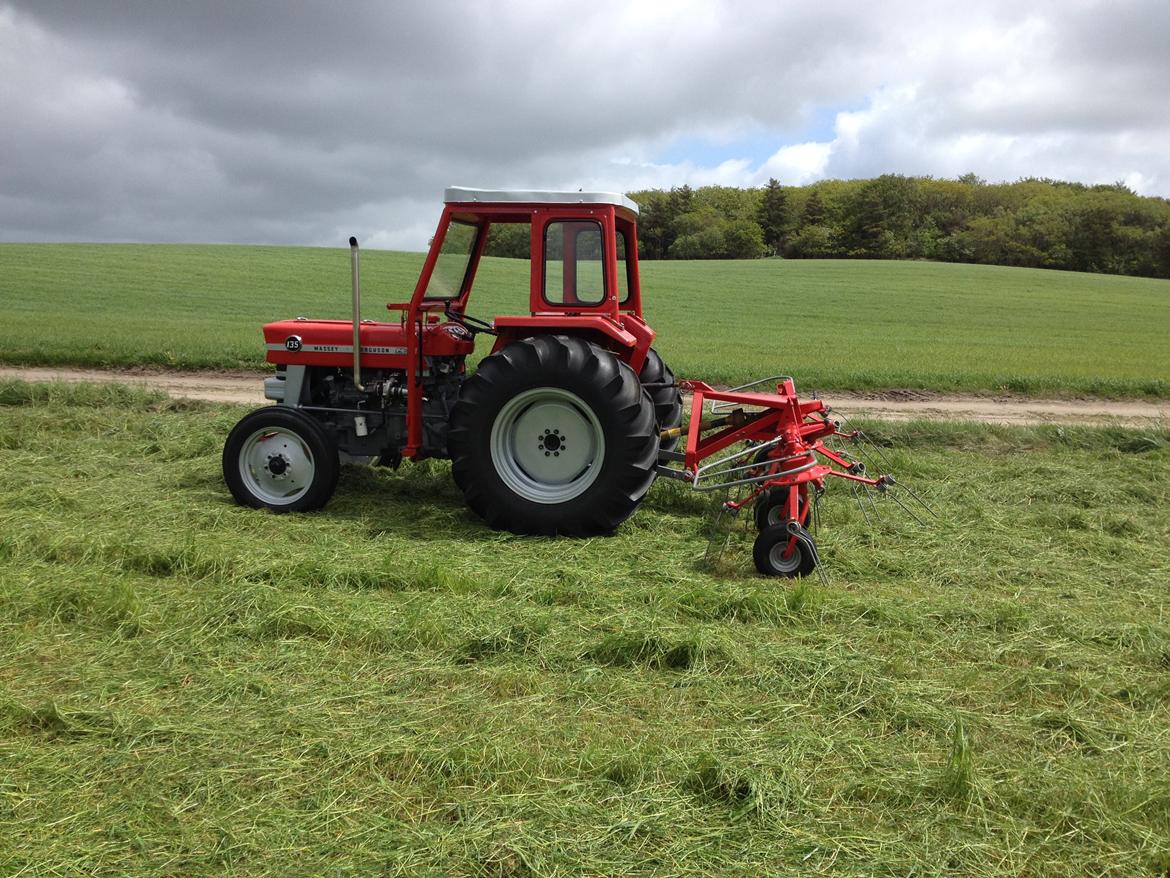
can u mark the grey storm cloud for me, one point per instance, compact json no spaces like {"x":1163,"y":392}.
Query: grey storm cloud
{"x":304,"y":122}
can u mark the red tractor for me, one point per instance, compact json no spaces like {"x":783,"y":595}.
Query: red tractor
{"x":562,"y":428}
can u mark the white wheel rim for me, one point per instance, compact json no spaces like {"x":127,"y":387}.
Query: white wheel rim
{"x":277,"y":465}
{"x":779,"y":562}
{"x":778,"y":512}
{"x":547,"y":445}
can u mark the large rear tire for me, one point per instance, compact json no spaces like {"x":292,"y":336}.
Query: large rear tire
{"x":662,"y":386}
{"x":280,"y":459}
{"x":553,"y":435}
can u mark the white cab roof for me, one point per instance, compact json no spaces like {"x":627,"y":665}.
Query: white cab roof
{"x":461,"y":195}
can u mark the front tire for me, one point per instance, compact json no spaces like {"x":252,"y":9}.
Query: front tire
{"x":772,"y":507}
{"x":280,"y":459}
{"x":553,"y":435}
{"x":779,"y":552}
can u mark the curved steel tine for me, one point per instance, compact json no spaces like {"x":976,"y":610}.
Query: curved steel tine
{"x":893,"y":496}
{"x":920,"y":501}
{"x":889,"y":465}
{"x":860,"y":505}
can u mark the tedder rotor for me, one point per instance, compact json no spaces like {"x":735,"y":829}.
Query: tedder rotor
{"x":564,"y":425}
{"x":783,"y":463}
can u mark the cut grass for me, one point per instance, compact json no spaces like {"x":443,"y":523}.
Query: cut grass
{"x":387,"y":687}
{"x":832,"y":324}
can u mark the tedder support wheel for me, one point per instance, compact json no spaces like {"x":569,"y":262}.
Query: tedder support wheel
{"x":280,"y":459}
{"x":553,"y":435}
{"x":783,"y":551}
{"x":660,"y":383}
{"x":772,"y":507}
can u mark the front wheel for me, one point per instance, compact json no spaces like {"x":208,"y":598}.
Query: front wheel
{"x":772,"y":507}
{"x":783,"y":551}
{"x":553,"y":435}
{"x":280,"y":459}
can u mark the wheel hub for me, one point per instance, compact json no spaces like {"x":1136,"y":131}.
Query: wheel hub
{"x":567,"y":454}
{"x":277,"y":465}
{"x":785,"y":556}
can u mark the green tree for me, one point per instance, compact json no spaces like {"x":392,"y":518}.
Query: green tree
{"x":814,"y":210}
{"x":882,"y":218}
{"x":682,"y":200}
{"x":814,"y":242}
{"x":743,"y":239}
{"x":509,"y":239}
{"x":1032,"y":222}
{"x":1161,"y":255}
{"x":774,"y":216}
{"x":655,"y":223}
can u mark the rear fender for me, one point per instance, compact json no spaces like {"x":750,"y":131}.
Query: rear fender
{"x":629,"y":343}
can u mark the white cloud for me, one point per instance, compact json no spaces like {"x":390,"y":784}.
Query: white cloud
{"x":798,"y":164}
{"x":220,"y":121}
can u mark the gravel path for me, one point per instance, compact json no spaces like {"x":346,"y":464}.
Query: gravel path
{"x":896,"y":405}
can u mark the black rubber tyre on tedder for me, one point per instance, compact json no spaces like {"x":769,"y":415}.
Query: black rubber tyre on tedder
{"x":772,"y":508}
{"x":279,"y":458}
{"x":774,"y":556}
{"x":660,"y":383}
{"x":553,"y":435}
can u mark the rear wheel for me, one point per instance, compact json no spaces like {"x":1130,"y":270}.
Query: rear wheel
{"x":660,"y":383}
{"x":553,"y":435}
{"x":280,"y":459}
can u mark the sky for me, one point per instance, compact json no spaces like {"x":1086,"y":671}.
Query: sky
{"x":305,"y":122}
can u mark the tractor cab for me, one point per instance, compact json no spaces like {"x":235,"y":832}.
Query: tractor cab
{"x":583,"y":265}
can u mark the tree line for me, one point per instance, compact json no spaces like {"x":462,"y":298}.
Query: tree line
{"x":1037,"y":223}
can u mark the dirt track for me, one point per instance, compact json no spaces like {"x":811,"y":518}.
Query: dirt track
{"x":897,"y":405}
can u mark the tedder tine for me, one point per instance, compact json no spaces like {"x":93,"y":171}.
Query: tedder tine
{"x":920,"y":501}
{"x":860,"y":504}
{"x":893,"y":496}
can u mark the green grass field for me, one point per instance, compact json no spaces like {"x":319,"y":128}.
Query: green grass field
{"x":388,"y":687}
{"x":831,"y":324}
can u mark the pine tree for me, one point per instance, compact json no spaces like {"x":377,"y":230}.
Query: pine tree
{"x":814,"y":210}
{"x":774,"y":215}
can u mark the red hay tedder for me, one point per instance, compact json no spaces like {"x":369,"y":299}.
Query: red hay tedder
{"x":564,"y":426}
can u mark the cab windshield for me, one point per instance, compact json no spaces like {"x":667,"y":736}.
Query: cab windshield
{"x":454,"y":259}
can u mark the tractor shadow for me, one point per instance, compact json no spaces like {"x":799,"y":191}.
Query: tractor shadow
{"x":416,"y":502}
{"x":420,"y":502}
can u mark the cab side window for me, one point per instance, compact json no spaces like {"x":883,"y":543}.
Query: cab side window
{"x":623,"y":269}
{"x":574,"y":272}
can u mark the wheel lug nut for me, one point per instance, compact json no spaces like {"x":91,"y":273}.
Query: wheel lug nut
{"x":546,"y":454}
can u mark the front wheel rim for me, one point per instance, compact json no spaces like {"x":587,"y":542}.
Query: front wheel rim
{"x":277,"y":466}
{"x":547,"y":445}
{"x":779,"y":562}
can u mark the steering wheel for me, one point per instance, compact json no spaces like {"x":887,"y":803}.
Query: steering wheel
{"x":472,"y":324}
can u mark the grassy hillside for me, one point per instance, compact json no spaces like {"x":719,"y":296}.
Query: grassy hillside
{"x":190,"y":688}
{"x":831,"y":324}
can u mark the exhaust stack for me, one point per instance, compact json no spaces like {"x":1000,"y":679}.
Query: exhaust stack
{"x":357,"y":313}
